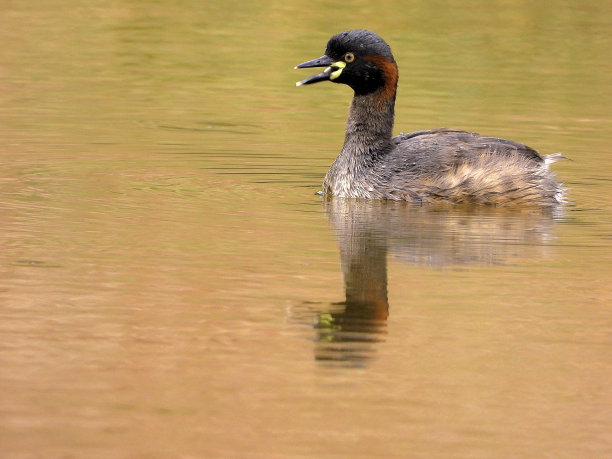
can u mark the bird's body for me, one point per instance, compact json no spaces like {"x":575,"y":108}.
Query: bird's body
{"x":423,"y":166}
{"x":444,"y":165}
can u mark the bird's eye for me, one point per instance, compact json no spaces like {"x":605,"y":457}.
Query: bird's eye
{"x":349,"y":57}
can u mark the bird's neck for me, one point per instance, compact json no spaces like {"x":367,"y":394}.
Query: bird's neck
{"x":370,"y":126}
{"x":368,"y":138}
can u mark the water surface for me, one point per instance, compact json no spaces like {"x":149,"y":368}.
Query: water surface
{"x":172,"y":286}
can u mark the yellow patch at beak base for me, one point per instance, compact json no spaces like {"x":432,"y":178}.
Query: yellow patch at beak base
{"x":339,"y":66}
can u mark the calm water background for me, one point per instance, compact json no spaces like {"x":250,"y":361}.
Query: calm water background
{"x":171,"y":286}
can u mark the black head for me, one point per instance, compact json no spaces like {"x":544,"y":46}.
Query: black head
{"x":358,"y":58}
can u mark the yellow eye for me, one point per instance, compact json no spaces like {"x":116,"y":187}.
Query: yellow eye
{"x":349,"y":57}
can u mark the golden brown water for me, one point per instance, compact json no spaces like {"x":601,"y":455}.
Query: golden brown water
{"x":171,"y":286}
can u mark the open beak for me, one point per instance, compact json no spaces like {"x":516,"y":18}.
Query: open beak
{"x":322,"y":61}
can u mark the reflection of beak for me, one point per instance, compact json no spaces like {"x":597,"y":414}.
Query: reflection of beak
{"x":329,"y":73}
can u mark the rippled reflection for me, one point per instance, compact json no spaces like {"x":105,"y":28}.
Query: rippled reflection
{"x":420,"y":235}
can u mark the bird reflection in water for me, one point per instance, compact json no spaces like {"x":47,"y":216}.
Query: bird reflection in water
{"x":435,"y":236}
{"x":346,"y":332}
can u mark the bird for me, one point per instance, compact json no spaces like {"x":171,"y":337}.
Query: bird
{"x":438,"y":165}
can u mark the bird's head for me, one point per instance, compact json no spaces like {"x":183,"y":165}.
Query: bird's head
{"x":359,"y":59}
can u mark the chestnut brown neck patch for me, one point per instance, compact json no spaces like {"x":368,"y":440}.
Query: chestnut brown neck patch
{"x":390,"y":75}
